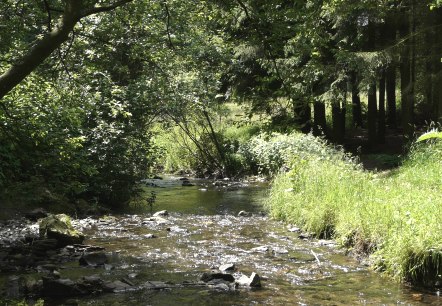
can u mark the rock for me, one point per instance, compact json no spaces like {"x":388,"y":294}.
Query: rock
{"x":294,"y":229}
{"x":36,"y":214}
{"x":156,"y":285}
{"x":227,"y":267}
{"x":305,"y":235}
{"x":253,"y":281}
{"x":53,"y":287}
{"x":207,"y":277}
{"x":150,"y":236}
{"x":156,"y":177}
{"x":262,"y":249}
{"x":93,"y":259}
{"x":243,"y":213}
{"x":187,"y":184}
{"x":40,"y":248}
{"x":15,"y":287}
{"x":184,"y":179}
{"x":161,"y":213}
{"x":59,"y":227}
{"x":117,"y":286}
{"x":91,"y":284}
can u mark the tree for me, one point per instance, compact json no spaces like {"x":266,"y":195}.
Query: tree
{"x":68,"y":17}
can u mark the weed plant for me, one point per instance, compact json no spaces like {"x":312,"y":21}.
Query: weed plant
{"x":396,"y":218}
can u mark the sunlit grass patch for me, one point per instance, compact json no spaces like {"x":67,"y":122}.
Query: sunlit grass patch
{"x":396,"y":218}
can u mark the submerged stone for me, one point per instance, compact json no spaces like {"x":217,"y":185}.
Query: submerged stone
{"x":94,"y":259}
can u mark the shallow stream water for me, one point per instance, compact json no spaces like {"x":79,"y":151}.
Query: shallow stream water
{"x":204,"y":231}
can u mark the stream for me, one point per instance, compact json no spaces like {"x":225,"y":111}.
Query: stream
{"x":203,"y":231}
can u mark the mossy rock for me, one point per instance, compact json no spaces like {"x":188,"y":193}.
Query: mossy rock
{"x":59,"y":227}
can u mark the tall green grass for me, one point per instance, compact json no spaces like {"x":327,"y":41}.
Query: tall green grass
{"x":396,"y":218}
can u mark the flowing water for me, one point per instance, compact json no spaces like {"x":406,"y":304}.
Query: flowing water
{"x":204,"y":231}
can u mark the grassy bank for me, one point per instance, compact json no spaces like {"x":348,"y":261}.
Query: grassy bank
{"x":396,"y":218}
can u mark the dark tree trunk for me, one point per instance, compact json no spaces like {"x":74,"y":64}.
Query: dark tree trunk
{"x":436,"y":75}
{"x":381,"y":110}
{"x":303,"y":116}
{"x":372,"y":113}
{"x":338,"y":118}
{"x":390,"y":33}
{"x":320,"y":123}
{"x":355,"y":101}
{"x":406,"y":79}
{"x":372,"y":101}
{"x":391,"y":95}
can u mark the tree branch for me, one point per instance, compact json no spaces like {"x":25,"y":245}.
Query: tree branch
{"x":100,"y":9}
{"x":168,"y":25}
{"x":48,"y":10}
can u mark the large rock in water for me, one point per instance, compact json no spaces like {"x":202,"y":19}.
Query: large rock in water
{"x":59,"y":227}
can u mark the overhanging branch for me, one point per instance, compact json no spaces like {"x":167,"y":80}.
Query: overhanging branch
{"x":100,"y":9}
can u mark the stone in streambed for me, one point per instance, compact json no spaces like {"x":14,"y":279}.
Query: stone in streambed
{"x":161,"y":213}
{"x":117,"y":286}
{"x":94,"y":259}
{"x":207,"y":277}
{"x":227,"y":267}
{"x":243,"y":213}
{"x":53,"y":287}
{"x":59,"y":227}
{"x":253,"y":281}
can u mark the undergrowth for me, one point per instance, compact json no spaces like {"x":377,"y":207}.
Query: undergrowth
{"x":396,"y":218}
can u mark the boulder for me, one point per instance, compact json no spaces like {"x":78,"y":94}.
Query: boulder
{"x":59,"y":227}
{"x":187,"y":183}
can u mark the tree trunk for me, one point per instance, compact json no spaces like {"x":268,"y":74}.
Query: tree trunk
{"x":303,"y":116}
{"x":338,"y":118}
{"x":355,"y":101}
{"x":390,"y":29}
{"x":381,"y":110}
{"x":372,"y":113}
{"x":372,"y":103}
{"x":406,"y":86}
{"x":391,"y":95}
{"x":320,"y":123}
